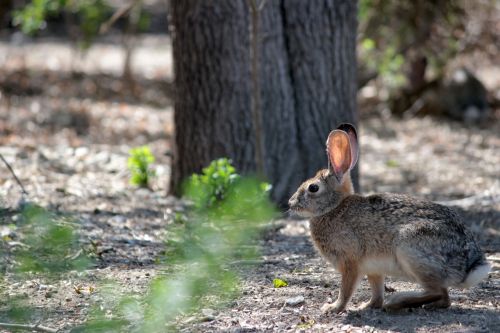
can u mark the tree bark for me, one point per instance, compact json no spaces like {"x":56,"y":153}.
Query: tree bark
{"x":307,"y":81}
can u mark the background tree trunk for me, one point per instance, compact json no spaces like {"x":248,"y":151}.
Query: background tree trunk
{"x":308,"y":85}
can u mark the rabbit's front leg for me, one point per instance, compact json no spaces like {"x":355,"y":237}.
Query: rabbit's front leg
{"x":377,"y":286}
{"x":349,"y":281}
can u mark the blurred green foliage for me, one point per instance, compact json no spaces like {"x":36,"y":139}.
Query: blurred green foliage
{"x":89,"y":15}
{"x":32,"y":17}
{"x":139,"y":165}
{"x":201,"y":250}
{"x":394,"y":33}
{"x":46,"y":246}
{"x":202,"y":247}
{"x":83,"y":16}
{"x":49,"y":244}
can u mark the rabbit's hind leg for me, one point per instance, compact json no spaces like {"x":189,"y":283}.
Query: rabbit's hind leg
{"x":426,"y":271}
{"x":405,"y":300}
{"x":442,"y":303}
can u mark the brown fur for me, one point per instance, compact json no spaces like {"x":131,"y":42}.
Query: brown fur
{"x":387,"y":234}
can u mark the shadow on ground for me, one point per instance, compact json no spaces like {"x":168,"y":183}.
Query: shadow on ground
{"x":455,"y":318}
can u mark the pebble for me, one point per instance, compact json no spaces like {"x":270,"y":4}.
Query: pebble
{"x":295,"y":300}
{"x":81,"y":151}
{"x":209,"y":314}
{"x":190,"y":320}
{"x":118,"y":219}
{"x":5,"y":231}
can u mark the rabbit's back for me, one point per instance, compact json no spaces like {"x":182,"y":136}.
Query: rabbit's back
{"x":435,"y":239}
{"x":402,"y":233}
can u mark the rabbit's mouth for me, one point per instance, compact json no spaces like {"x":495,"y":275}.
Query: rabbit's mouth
{"x":303,"y":212}
{"x":297,"y":207}
{"x":300,"y":211}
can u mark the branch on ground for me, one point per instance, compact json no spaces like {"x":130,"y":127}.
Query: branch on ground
{"x":38,"y":328}
{"x":14,"y":174}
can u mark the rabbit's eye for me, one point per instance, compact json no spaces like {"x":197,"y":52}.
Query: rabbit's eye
{"x":313,"y":188}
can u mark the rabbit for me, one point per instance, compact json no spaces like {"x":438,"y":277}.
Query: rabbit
{"x":385,"y":235}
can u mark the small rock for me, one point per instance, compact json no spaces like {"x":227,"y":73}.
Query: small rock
{"x":190,"y":320}
{"x":295,"y":300}
{"x":5,"y":231}
{"x":81,"y":152}
{"x":209,"y":314}
{"x":118,"y":219}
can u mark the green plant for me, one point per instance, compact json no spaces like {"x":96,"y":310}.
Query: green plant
{"x":279,"y":283}
{"x":48,"y":248}
{"x":202,"y":247}
{"x":50,"y":243}
{"x":89,"y":15}
{"x":139,"y":164}
{"x":214,"y":183}
{"x":201,"y":250}
{"x":394,"y":34}
{"x":32,"y":17}
{"x":86,"y":17}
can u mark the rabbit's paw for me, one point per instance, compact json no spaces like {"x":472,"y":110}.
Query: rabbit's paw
{"x":336,"y":307}
{"x":372,"y":304}
{"x":440,"y":304}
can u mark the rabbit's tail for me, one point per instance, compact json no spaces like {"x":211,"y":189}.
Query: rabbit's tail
{"x":476,"y":274}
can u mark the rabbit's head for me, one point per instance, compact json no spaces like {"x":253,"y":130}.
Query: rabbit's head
{"x":323,"y":192}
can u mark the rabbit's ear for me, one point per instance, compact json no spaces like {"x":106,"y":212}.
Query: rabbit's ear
{"x":353,"y":138}
{"x":338,"y":149}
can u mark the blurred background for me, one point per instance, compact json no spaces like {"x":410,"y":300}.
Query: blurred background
{"x":80,"y":74}
{"x":86,"y":85}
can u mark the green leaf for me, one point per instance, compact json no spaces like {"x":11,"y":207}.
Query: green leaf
{"x":306,"y":324}
{"x":368,"y":44}
{"x":392,"y":163}
{"x":139,"y":165}
{"x":278,"y":283}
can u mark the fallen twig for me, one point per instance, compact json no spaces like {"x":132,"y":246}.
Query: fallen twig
{"x":74,"y":256}
{"x":36,"y":327}
{"x":14,"y":174}
{"x":254,"y":262}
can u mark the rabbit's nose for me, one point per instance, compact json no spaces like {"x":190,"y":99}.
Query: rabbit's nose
{"x":292,"y":202}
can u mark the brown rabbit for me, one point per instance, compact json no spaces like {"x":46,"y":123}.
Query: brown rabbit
{"x":385,"y":234}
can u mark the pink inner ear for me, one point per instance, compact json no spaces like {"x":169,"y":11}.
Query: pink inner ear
{"x":353,"y":138}
{"x":339,"y":153}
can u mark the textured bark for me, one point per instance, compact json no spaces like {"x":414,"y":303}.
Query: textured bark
{"x":308,"y":85}
{"x":212,"y":86}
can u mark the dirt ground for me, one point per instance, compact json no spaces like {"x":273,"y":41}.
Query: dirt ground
{"x":67,"y":137}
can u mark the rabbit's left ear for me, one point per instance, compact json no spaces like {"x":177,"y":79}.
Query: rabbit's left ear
{"x":353,"y":139}
{"x":338,"y":149}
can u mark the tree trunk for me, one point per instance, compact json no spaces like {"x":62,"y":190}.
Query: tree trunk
{"x":307,"y":85}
